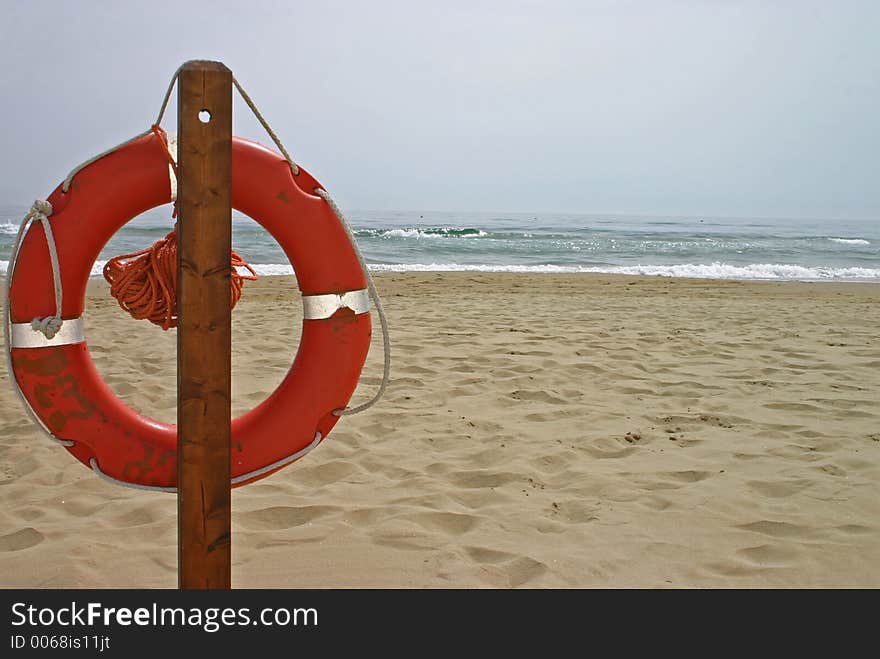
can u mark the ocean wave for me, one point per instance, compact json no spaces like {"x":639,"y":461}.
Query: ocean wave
{"x":470,"y":267}
{"x":269,"y":269}
{"x":850,"y":241}
{"x":715,"y":270}
{"x":97,"y":268}
{"x":424,"y":232}
{"x":773,"y":271}
{"x":8,"y":229}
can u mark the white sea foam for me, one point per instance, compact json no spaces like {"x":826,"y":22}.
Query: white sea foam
{"x":777,"y":271}
{"x":850,"y":241}
{"x":469,"y":267}
{"x":424,"y":232}
{"x":405,"y":233}
{"x":8,"y":229}
{"x":269,"y":269}
{"x":97,"y":268}
{"x":696,"y":270}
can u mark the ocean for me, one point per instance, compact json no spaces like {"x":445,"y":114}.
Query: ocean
{"x":430,"y":241}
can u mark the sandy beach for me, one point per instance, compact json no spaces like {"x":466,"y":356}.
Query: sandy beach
{"x":540,"y":431}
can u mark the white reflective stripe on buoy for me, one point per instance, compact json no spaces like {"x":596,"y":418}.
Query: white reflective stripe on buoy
{"x":25,"y":336}
{"x":317,"y":307}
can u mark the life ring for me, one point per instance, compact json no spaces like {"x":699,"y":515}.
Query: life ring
{"x":58,"y":379}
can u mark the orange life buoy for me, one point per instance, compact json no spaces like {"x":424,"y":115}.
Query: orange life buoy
{"x":64,"y":390}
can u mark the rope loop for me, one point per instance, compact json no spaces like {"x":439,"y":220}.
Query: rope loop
{"x":374,"y":295}
{"x":40,"y":211}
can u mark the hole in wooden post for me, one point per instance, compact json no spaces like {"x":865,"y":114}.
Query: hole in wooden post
{"x":204,"y":116}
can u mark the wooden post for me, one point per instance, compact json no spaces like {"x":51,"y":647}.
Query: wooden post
{"x":204,"y":330}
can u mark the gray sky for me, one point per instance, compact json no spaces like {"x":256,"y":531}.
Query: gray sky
{"x":698,"y":107}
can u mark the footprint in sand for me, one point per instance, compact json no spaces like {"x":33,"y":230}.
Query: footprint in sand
{"x":27,"y":466}
{"x":552,"y":463}
{"x":488,"y":556}
{"x":854,"y":529}
{"x":768,"y":555}
{"x":283,"y":517}
{"x":537,"y":396}
{"x":779,"y":489}
{"x":365,"y":516}
{"x":449,"y":523}
{"x":832,"y":470}
{"x":793,"y":407}
{"x":327,"y":473}
{"x":735,"y":569}
{"x":687,"y":476}
{"x":591,"y":368}
{"x":778,"y":529}
{"x":575,"y":511}
{"x":405,"y":534}
{"x":523,"y":570}
{"x":21,"y":539}
{"x":608,"y":449}
{"x":655,"y":502}
{"x":138,"y":517}
{"x":482,"y":478}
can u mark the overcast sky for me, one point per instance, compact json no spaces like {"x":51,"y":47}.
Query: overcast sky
{"x":697,"y":107}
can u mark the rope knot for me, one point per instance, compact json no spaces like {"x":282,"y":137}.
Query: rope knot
{"x":42,"y":207}
{"x":49,"y":325}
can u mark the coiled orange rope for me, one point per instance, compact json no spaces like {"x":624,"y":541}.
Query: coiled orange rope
{"x":144,"y":283}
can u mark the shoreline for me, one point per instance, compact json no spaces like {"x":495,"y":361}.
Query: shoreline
{"x":598,"y":275}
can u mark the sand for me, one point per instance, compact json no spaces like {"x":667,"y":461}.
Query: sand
{"x":540,"y":431}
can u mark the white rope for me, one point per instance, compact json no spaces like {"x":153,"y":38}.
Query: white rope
{"x":167,"y":95}
{"x":278,"y":463}
{"x":265,"y":124}
{"x":371,"y":286}
{"x":65,"y":186}
{"x":49,"y":326}
{"x":137,"y":486}
{"x":234,"y":481}
{"x":41,"y":210}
